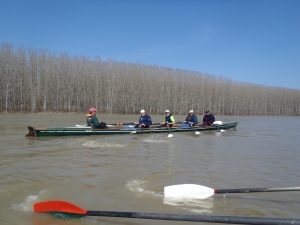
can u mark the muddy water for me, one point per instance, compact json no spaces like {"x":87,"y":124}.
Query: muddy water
{"x":129,"y":172}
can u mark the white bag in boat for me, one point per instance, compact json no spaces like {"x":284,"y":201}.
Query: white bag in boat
{"x":218,"y":123}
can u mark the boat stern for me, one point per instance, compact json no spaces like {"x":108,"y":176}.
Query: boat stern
{"x":31,"y":132}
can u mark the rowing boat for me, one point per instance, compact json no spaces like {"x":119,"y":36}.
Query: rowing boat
{"x":121,"y":129}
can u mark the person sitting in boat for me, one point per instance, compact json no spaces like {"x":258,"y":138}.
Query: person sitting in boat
{"x":169,"y":119}
{"x":191,"y":119}
{"x":93,"y":121}
{"x":208,"y":118}
{"x":144,"y":121}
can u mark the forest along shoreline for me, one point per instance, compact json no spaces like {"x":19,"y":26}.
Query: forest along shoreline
{"x":41,"y":81}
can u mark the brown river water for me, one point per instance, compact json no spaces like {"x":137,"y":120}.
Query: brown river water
{"x":129,"y":172}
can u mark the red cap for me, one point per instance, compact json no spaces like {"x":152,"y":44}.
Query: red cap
{"x":93,"y":110}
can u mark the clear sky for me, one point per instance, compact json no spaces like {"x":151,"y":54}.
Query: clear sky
{"x":255,"y":41}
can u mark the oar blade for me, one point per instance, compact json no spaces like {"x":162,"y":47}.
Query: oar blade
{"x":65,"y":207}
{"x":188,"y":191}
{"x":58,"y":206}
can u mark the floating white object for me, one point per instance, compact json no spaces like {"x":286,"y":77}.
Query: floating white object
{"x":133,"y":132}
{"x":170,"y":135}
{"x":197,"y":133}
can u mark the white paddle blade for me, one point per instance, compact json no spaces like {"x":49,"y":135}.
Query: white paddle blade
{"x":170,"y":135}
{"x":188,"y":191}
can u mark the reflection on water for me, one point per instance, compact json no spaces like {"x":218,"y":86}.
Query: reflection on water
{"x":193,"y":205}
{"x":96,"y":144}
{"x":129,"y":172}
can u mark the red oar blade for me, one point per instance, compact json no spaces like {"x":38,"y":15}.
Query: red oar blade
{"x":58,"y":206}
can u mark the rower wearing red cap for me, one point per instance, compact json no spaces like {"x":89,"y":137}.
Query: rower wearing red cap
{"x":93,"y":121}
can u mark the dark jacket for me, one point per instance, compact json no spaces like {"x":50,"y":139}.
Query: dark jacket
{"x":209,"y":119}
{"x":146,"y":119}
{"x":192,"y":118}
{"x":94,"y":120}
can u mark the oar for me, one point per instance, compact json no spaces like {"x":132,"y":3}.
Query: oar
{"x":86,"y":126}
{"x":170,"y":135}
{"x":120,"y":124}
{"x":117,"y":124}
{"x":198,"y":191}
{"x":196,"y":132}
{"x":66,"y":207}
{"x":192,"y":127}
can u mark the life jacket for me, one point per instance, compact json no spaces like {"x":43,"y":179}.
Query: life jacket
{"x":89,"y":120}
{"x":168,"y":118}
{"x":89,"y":117}
{"x":90,"y":114}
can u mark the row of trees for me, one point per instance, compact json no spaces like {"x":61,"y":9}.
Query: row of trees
{"x":40,"y":81}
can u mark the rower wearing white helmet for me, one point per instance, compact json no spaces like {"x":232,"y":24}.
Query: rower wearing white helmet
{"x":144,"y":121}
{"x":169,"y":119}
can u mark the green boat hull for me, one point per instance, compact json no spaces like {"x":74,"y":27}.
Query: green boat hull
{"x":74,"y":131}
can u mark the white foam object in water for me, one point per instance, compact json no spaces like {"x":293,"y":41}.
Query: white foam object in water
{"x":188,"y":191}
{"x":27,"y":205}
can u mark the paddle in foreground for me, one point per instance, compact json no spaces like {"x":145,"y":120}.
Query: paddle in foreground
{"x":66,"y":207}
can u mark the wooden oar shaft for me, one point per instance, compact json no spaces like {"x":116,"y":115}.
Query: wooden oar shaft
{"x":196,"y":218}
{"x":249,"y":190}
{"x":120,"y":124}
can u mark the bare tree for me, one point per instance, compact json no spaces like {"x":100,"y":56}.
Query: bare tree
{"x":38,"y":80}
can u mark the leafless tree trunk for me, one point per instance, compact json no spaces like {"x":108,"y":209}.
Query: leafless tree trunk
{"x":38,"y":80}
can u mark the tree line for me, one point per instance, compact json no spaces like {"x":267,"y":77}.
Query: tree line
{"x":33,"y":80}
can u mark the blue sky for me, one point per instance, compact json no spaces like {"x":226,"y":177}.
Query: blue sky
{"x":255,"y":41}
